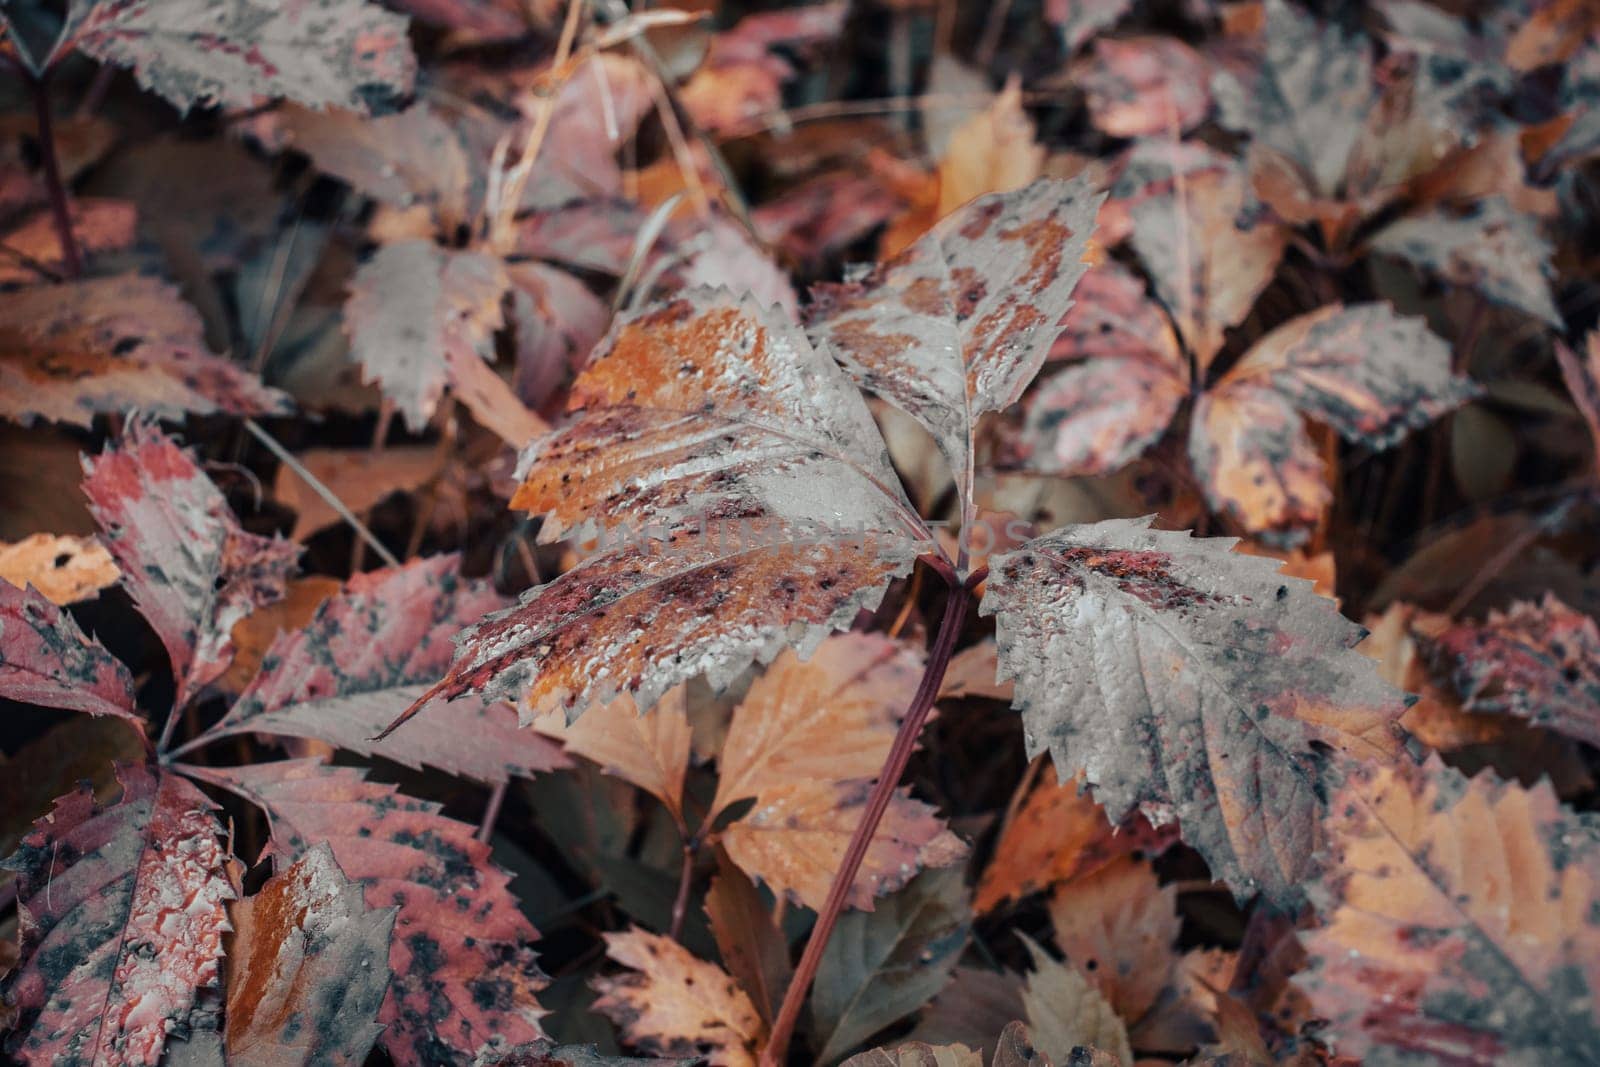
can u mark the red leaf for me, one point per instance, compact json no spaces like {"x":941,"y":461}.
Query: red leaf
{"x":187,"y":564}
{"x":46,"y":660}
{"x":463,"y":969}
{"x":369,"y":653}
{"x":122,"y":921}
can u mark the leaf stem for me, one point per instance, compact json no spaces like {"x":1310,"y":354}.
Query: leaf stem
{"x":905,"y":741}
{"x":71,"y":258}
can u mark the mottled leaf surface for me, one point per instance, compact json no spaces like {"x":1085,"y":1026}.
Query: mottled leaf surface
{"x":1491,"y":248}
{"x":307,"y":970}
{"x":46,"y":659}
{"x":741,"y":501}
{"x":199,"y":53}
{"x":882,"y":965}
{"x":64,"y":569}
{"x":367,"y":654}
{"x":191,"y":570}
{"x":463,"y":969}
{"x":959,"y":323}
{"x":1539,"y":662}
{"x":1192,"y":682}
{"x":672,"y":1004}
{"x":414,"y":308}
{"x":1459,"y":922}
{"x":117,"y":344}
{"x":122,"y":918}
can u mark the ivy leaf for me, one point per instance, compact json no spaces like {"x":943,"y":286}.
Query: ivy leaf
{"x":745,"y":502}
{"x":463,"y":969}
{"x":46,"y":659}
{"x":189,"y":567}
{"x":882,"y":965}
{"x":672,"y":1004}
{"x":366,"y":655}
{"x":122,"y":920}
{"x":419,"y":315}
{"x":199,"y":53}
{"x":1458,"y":922}
{"x":71,"y":351}
{"x":1192,"y":683}
{"x":1539,"y":662}
{"x":308,"y":968}
{"x":959,"y":323}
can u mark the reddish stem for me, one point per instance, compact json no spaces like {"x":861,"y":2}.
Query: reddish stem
{"x":680,"y":905}
{"x":71,"y":259}
{"x":905,"y":741}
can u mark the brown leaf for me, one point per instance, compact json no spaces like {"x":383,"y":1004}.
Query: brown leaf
{"x":752,"y":946}
{"x":1192,"y":683}
{"x":670,"y":1003}
{"x":191,"y":570}
{"x":65,"y":570}
{"x":1066,"y":1013}
{"x":917,"y":1054}
{"x":992,"y":152}
{"x":1119,"y":927}
{"x":31,"y":252}
{"x":118,"y":344}
{"x":1457,"y":921}
{"x":1059,"y":833}
{"x":360,"y":478}
{"x":308,"y":969}
{"x":649,"y":750}
{"x":122,"y":919}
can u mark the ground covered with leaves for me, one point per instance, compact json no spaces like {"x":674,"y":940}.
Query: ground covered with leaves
{"x":907,"y":533}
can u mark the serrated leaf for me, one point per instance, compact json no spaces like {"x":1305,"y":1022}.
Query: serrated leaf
{"x":308,"y":969}
{"x":743,"y":502}
{"x":367,"y":654}
{"x":1192,"y":682}
{"x":882,"y":965}
{"x":122,"y":918}
{"x":1539,"y":662}
{"x":191,"y":570}
{"x":649,"y":750}
{"x":1491,"y":248}
{"x":199,"y":53}
{"x":463,"y":969}
{"x":917,"y":1054}
{"x":676,"y":1005}
{"x":46,"y":659}
{"x":1119,"y":927}
{"x":1066,"y":1013}
{"x":115,"y":345}
{"x":1458,"y":922}
{"x":414,"y":310}
{"x":960,"y":322}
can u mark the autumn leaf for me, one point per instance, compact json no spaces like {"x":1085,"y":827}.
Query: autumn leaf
{"x":31,"y":252}
{"x":46,"y":659}
{"x":1145,"y":86}
{"x":463,"y":969}
{"x":65,"y":570}
{"x":752,"y":946}
{"x":1058,"y":833}
{"x":1191,"y":683}
{"x":884,"y":964}
{"x":191,"y":570}
{"x":1119,"y":927}
{"x":548,"y":1054}
{"x":1539,"y":662}
{"x":416,"y":314}
{"x":917,"y":1054}
{"x":368,"y":653}
{"x":672,"y":1004}
{"x":199,"y":53}
{"x":960,"y":322}
{"x":122,"y":920}
{"x":71,"y":351}
{"x":1066,"y":1012}
{"x":650,"y":750}
{"x":730,"y":467}
{"x":308,"y":968}
{"x":1457,"y":921}
{"x":1367,"y":372}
